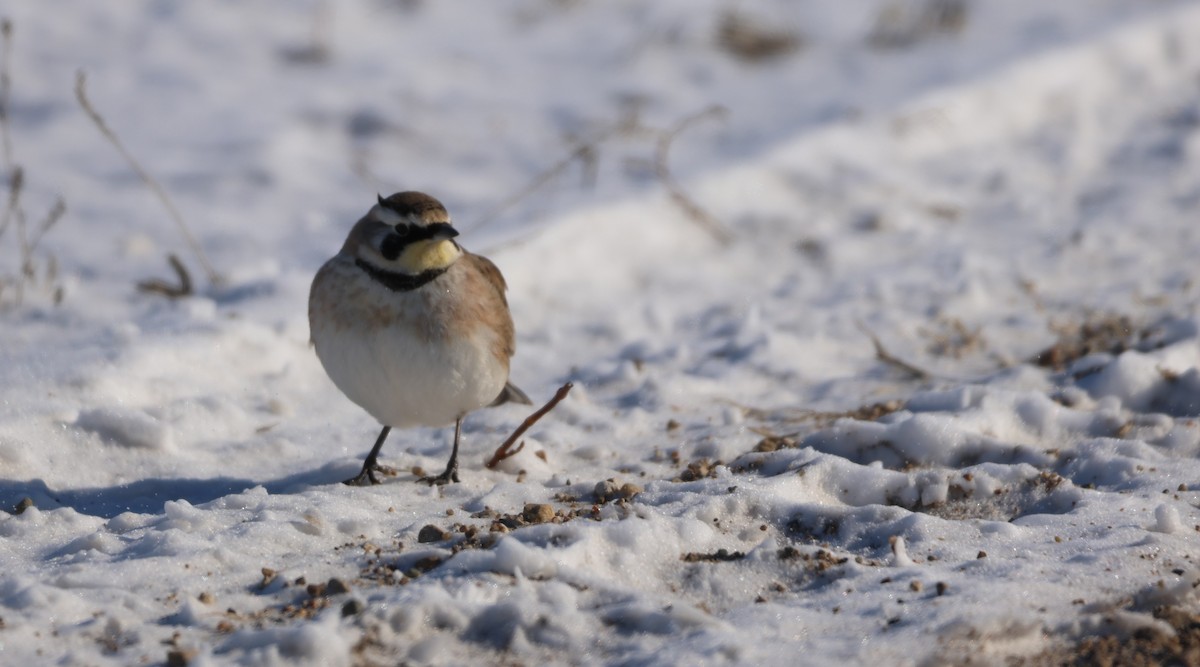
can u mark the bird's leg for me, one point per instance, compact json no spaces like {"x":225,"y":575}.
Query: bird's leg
{"x":451,"y":473}
{"x":367,"y":476}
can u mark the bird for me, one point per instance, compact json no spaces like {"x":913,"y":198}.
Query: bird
{"x":412,"y":327}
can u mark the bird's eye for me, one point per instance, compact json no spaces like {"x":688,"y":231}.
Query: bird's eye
{"x":393,"y":243}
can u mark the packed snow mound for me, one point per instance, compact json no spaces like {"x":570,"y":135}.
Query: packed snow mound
{"x":895,"y":362}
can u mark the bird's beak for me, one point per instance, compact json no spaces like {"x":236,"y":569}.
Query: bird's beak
{"x":442,"y":231}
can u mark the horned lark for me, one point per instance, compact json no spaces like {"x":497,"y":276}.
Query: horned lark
{"x":410,"y":326}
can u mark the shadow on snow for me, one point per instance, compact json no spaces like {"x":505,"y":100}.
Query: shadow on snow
{"x":147,"y":496}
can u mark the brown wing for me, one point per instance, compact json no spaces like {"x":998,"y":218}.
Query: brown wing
{"x":501,"y":321}
{"x":490,"y":308}
{"x":490,"y":273}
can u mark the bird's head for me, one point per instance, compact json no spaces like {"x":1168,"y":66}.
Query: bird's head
{"x":409,"y":232}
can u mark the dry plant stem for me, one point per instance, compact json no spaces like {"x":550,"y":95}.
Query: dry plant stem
{"x":52,"y":218}
{"x":13,"y":209}
{"x":888,"y":358}
{"x":23,"y":243}
{"x":28,"y":244}
{"x":917,"y":372}
{"x":504,"y":451}
{"x":156,"y":286}
{"x":81,"y":94}
{"x":693,"y":210}
{"x":584,"y":152}
{"x":6,"y":31}
{"x":14,"y":213}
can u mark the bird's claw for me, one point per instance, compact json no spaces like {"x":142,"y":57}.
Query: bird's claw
{"x":364,"y":478}
{"x":442,"y":479}
{"x":367,"y":476}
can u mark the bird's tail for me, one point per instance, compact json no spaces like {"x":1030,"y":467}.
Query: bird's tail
{"x":511,"y":394}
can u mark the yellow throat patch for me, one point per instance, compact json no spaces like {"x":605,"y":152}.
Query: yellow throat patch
{"x":427,"y":255}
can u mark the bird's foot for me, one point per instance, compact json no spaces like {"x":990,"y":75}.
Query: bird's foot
{"x":367,"y":476}
{"x":451,"y":475}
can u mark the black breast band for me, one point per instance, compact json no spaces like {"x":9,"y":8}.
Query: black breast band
{"x":399,"y":282}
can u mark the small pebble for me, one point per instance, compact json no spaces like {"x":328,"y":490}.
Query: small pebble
{"x":431,"y":533}
{"x":606,"y":490}
{"x":537,"y":513}
{"x":180,"y":657}
{"x":353,"y":607}
{"x":336,"y":586}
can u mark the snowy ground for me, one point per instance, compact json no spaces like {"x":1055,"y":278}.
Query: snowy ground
{"x":1003,"y":197}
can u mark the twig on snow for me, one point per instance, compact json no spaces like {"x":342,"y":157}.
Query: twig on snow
{"x":693,"y":210}
{"x":81,"y":95}
{"x":886,"y":357}
{"x":156,"y":286}
{"x":504,"y":451}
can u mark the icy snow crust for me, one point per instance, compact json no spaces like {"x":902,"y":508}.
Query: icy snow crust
{"x":1038,"y":168}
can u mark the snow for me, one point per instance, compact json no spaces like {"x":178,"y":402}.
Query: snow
{"x":737,"y":475}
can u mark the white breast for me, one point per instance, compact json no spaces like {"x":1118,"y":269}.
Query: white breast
{"x":401,"y":376}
